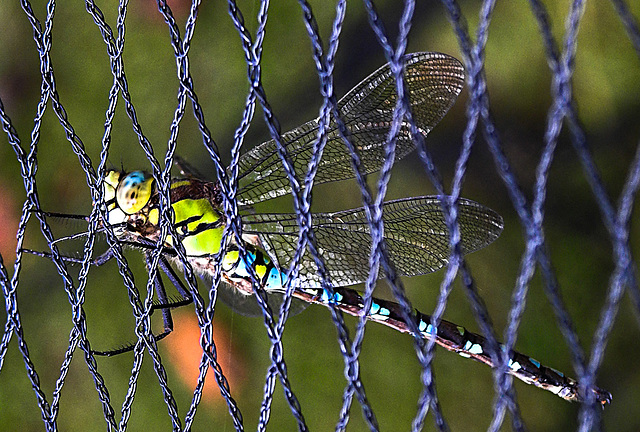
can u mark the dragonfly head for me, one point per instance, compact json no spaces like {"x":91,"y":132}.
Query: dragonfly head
{"x":127,"y":194}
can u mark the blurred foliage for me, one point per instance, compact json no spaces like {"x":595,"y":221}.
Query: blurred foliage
{"x":606,"y":87}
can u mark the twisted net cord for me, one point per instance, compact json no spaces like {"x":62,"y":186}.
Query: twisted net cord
{"x":562,"y":110}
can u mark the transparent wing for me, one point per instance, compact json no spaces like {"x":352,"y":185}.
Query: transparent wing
{"x":433,"y":81}
{"x":414,"y":228}
{"x":247,"y":305}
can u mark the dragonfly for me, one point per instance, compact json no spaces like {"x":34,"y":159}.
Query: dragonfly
{"x":415,"y":232}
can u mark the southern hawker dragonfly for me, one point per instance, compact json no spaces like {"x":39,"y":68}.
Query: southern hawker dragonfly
{"x":416,"y":235}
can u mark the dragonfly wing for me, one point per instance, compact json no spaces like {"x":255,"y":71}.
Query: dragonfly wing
{"x":433,"y":82}
{"x":186,"y":169}
{"x":416,"y":236}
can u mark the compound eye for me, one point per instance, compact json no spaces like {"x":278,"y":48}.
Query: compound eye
{"x":110,"y":185}
{"x":134,"y":191}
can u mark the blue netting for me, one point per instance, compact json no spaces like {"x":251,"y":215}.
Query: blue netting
{"x":562,"y":115}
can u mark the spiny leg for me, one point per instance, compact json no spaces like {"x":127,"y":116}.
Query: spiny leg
{"x":98,"y":261}
{"x":102,"y":258}
{"x":164,"y":304}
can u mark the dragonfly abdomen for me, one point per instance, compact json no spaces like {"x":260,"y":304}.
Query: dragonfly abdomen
{"x":448,"y":335}
{"x":452,"y":337}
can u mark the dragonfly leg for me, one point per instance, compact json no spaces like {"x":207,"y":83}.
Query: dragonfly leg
{"x":164,"y":304}
{"x":102,"y":259}
{"x":177,"y":282}
{"x":163,"y":301}
{"x":98,"y":261}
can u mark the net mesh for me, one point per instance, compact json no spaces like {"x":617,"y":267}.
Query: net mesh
{"x":562,"y":118}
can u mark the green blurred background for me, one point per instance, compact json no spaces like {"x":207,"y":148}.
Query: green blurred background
{"x":607,"y":91}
